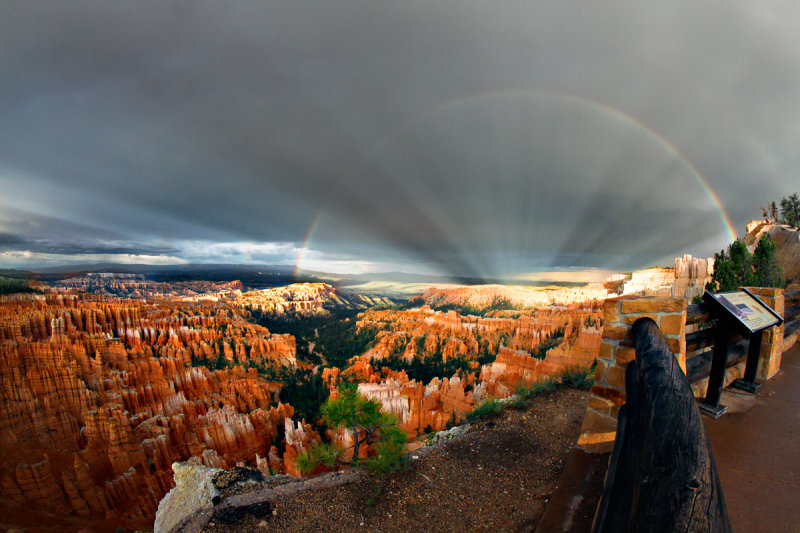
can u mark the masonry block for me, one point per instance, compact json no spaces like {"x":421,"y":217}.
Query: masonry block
{"x":625,"y":354}
{"x":613,"y":332}
{"x":607,"y":351}
{"x":653,"y":305}
{"x":767,"y":368}
{"x":615,"y":396}
{"x":630,"y":319}
{"x":611,"y":311}
{"x":600,"y":371}
{"x":600,"y":404}
{"x":597,"y":433}
{"x":674,"y":324}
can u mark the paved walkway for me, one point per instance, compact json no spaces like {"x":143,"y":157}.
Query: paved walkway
{"x":757,"y":450}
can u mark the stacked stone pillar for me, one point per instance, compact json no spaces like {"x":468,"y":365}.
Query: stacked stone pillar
{"x":772,"y":342}
{"x":616,"y":351}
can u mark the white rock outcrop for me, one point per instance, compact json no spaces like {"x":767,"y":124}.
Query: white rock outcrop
{"x":190,"y":504}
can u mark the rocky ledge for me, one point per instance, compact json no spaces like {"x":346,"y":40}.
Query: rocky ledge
{"x":496,"y":474}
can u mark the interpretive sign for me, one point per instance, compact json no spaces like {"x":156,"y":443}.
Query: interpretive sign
{"x":744,"y":311}
{"x":747,"y":311}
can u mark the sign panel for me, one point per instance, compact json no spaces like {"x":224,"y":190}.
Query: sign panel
{"x":745,"y":308}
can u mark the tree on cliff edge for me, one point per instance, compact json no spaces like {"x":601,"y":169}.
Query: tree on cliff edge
{"x":738,"y":268}
{"x":790,"y":210}
{"x":732,"y":269}
{"x":368,"y":425}
{"x":767,"y":271}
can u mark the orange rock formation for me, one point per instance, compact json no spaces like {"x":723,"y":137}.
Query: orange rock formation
{"x":98,"y":397}
{"x":304,"y":299}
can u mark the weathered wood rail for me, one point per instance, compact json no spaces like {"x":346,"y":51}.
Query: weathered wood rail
{"x":700,"y":338}
{"x":792,"y":312}
{"x":696,"y":341}
{"x":662,"y":476}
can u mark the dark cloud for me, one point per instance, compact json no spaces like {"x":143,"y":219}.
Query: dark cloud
{"x":77,"y":247}
{"x":473,"y":139}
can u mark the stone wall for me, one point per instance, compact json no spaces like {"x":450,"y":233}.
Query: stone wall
{"x":616,"y":351}
{"x":772,"y":341}
{"x":608,"y":392}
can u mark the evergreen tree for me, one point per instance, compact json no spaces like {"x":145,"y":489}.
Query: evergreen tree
{"x":767,"y":271}
{"x":773,"y":211}
{"x":733,"y":269}
{"x":363,"y":417}
{"x":790,"y":210}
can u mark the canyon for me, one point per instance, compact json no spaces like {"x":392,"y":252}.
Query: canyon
{"x":109,"y":379}
{"x":102,"y":394}
{"x":99,"y":397}
{"x":305,"y":299}
{"x":494,"y":356}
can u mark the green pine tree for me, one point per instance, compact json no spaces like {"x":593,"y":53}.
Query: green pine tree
{"x":790,"y":210}
{"x":363,"y":417}
{"x":767,"y":271}
{"x":733,"y":269}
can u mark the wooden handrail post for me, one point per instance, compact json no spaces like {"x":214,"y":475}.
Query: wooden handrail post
{"x":664,"y":455}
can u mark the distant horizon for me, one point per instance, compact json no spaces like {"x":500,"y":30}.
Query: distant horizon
{"x":556,"y":276}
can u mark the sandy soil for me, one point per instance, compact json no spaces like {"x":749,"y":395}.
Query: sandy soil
{"x":498,"y":476}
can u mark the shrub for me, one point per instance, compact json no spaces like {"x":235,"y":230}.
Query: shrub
{"x":368,"y":424}
{"x":486,"y":409}
{"x":576,"y":377}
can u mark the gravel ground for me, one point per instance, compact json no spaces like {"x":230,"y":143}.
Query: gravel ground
{"x":498,"y":476}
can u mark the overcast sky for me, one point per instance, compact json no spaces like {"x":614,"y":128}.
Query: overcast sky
{"x":465,"y":138}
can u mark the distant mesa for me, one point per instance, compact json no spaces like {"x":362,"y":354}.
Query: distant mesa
{"x":305,"y":299}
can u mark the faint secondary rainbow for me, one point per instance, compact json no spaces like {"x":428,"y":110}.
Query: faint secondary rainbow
{"x":304,"y":248}
{"x":612,"y":112}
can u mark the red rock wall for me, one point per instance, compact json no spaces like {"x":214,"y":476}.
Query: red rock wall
{"x":98,"y":399}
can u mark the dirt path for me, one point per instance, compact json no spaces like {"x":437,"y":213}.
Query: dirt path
{"x":496,"y":477}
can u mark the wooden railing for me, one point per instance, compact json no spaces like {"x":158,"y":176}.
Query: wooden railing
{"x":791,"y":302}
{"x":662,"y":475}
{"x":701,"y":334}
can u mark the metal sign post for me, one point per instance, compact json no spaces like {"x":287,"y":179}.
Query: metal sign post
{"x":744,"y":312}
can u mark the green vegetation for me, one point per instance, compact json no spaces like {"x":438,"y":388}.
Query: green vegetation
{"x":485,"y":409}
{"x":790,"y":210}
{"x":569,"y":378}
{"x":424,"y":370}
{"x":335,"y":336}
{"x":767,"y":272}
{"x":14,"y":285}
{"x":552,"y":342}
{"x":498,"y":304}
{"x":306,"y":392}
{"x":577,"y":377}
{"x":363,"y":417}
{"x":302,"y":389}
{"x":738,"y":268}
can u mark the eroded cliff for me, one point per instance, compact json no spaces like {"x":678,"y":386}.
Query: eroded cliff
{"x":99,"y":397}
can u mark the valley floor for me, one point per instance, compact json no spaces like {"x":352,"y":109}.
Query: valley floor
{"x":498,"y":476}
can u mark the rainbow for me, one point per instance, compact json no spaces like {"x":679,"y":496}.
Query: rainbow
{"x":609,"y":111}
{"x":304,"y":248}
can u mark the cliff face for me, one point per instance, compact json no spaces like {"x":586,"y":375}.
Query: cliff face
{"x":137,"y":286}
{"x":687,"y":280}
{"x":98,"y":398}
{"x":485,"y":296}
{"x":787,"y":241}
{"x":305,"y":299}
{"x":424,"y":333}
{"x":561,"y":338}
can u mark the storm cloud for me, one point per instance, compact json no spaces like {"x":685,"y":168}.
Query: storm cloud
{"x":468,"y":138}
